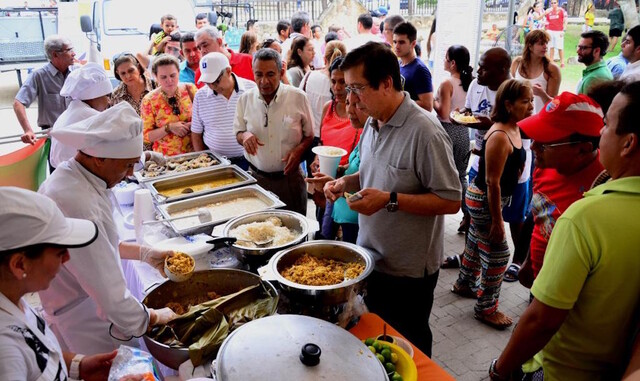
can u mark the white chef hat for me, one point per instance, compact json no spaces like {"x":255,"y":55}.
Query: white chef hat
{"x":28,"y":218}
{"x":88,"y":82}
{"x":115,"y":133}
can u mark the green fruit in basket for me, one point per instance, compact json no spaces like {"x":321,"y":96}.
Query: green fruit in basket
{"x":385,"y":346}
{"x":380,"y":357}
{"x":396,"y":377}
{"x":394,"y":358}
{"x":372,"y":349}
{"x":377,"y":345}
{"x":368,"y":342}
{"x":387,"y":354}
{"x":389,"y":367}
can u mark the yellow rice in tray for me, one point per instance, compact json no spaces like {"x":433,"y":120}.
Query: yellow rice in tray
{"x":314,"y":271}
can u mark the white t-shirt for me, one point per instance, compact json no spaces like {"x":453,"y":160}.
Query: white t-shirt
{"x":480,"y":100}
{"x":317,"y":85}
{"x":631,"y":73}
{"x":23,"y":355}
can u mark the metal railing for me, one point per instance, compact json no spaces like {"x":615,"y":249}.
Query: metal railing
{"x":498,"y":6}
{"x":407,"y":7}
{"x":269,"y":10}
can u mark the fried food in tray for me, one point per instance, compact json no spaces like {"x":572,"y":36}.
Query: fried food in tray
{"x":179,"y":164}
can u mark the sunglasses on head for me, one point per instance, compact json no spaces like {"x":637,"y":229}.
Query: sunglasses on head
{"x":175,"y":108}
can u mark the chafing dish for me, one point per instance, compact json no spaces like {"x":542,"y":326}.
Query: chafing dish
{"x":157,"y":187}
{"x":265,"y":199}
{"x":327,"y":295}
{"x":221,"y":161}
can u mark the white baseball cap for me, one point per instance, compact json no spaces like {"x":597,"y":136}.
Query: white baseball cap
{"x":211,"y":66}
{"x":28,"y":218}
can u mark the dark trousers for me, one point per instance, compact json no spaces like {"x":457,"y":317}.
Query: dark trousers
{"x":290,"y":189}
{"x":240,"y":161}
{"x":405,"y":303}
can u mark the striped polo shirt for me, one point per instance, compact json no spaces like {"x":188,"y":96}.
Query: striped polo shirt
{"x":213,"y":116}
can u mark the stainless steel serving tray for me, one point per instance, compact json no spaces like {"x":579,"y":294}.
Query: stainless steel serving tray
{"x":222,"y":161}
{"x":167,"y":210}
{"x":188,"y":179}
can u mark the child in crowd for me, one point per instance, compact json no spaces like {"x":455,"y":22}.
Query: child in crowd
{"x":169,"y":24}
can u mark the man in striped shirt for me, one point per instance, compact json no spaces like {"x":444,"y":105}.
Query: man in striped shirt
{"x":214,"y":108}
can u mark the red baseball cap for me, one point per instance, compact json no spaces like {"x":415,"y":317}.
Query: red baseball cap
{"x":563,"y":116}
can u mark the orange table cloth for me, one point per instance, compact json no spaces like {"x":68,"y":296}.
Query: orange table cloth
{"x":371,"y":325}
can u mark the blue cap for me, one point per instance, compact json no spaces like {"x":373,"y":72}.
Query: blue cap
{"x":383,"y":10}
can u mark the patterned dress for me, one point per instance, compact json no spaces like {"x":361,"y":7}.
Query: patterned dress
{"x":157,"y":112}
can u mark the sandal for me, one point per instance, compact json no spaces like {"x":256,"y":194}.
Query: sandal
{"x":464,"y":224}
{"x":494,"y":324}
{"x":452,"y":262}
{"x":464,"y":291}
{"x":511,"y":275}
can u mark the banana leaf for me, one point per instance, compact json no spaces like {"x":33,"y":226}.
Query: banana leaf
{"x":205,"y":326}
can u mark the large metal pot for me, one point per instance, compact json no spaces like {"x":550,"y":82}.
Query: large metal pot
{"x":295,"y":348}
{"x":292,"y":220}
{"x":222,"y":281}
{"x":327,"y":295}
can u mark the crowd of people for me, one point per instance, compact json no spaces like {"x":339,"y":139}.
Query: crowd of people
{"x":561,"y":169}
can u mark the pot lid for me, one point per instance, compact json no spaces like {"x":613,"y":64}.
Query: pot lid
{"x":295,"y":347}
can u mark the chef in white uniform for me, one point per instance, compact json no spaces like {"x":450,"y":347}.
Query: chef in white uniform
{"x":34,"y":237}
{"x":88,"y":304}
{"x":88,"y":87}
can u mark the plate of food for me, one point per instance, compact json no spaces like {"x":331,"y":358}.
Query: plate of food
{"x":464,"y":117}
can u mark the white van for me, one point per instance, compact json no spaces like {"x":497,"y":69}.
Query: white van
{"x":116,"y":26}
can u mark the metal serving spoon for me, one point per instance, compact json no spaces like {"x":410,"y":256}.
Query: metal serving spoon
{"x":204,"y":215}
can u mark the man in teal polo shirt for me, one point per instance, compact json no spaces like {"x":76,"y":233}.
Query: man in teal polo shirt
{"x":591,"y":48}
{"x":587,"y":294}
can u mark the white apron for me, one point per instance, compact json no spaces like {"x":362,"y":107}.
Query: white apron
{"x":88,"y":298}
{"x":55,"y":368}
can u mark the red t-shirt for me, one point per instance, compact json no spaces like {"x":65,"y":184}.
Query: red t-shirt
{"x":241,"y":65}
{"x":339,"y":132}
{"x":556,"y":20}
{"x":553,"y":193}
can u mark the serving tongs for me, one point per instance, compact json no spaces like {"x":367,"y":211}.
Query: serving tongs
{"x":204,"y":215}
{"x":217,"y":241}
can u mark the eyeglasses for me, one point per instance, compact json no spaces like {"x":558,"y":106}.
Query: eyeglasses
{"x":583,"y":47}
{"x":173,"y":102}
{"x":547,"y":146}
{"x":356,"y":89}
{"x":217,"y":81}
{"x":266,"y":116}
{"x":67,"y":50}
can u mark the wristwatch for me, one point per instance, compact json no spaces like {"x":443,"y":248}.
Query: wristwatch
{"x":74,"y":369}
{"x":392,"y":205}
{"x":167,"y":129}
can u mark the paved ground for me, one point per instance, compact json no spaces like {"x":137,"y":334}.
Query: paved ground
{"x":462,"y":346}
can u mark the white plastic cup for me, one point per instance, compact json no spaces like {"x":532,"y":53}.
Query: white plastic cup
{"x":142,"y":211}
{"x":329,"y":158}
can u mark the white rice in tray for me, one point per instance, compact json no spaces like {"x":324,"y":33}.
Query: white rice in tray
{"x":271,"y":228}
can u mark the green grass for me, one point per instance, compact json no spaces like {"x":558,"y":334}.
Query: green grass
{"x":572,"y":73}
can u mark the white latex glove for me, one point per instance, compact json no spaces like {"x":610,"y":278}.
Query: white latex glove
{"x":155,"y":157}
{"x":154,"y":257}
{"x":161,"y":316}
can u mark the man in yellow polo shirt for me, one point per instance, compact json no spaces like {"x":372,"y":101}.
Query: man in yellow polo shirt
{"x":587,"y":295}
